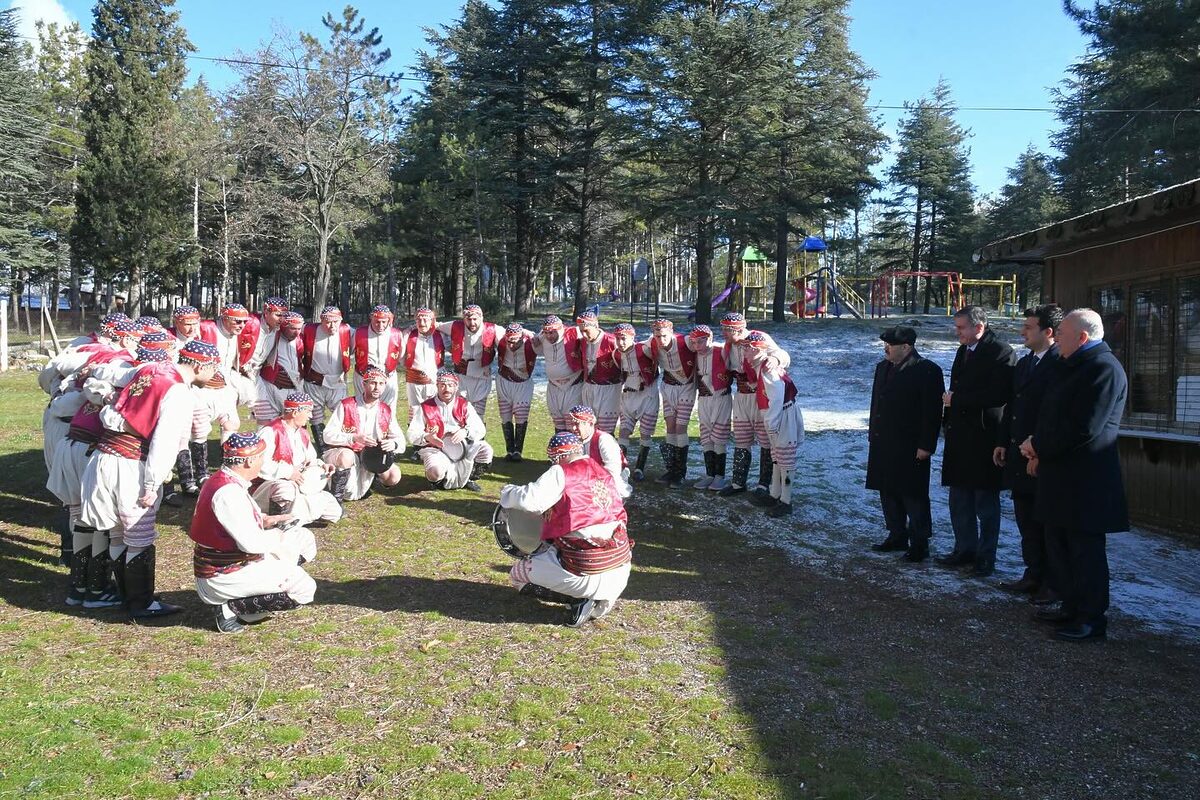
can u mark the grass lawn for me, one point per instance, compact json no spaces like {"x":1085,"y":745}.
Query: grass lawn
{"x":725,"y":672}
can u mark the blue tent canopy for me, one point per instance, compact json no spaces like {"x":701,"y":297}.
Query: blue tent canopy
{"x":812,"y":244}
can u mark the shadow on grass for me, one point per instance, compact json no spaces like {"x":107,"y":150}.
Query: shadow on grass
{"x":471,"y":601}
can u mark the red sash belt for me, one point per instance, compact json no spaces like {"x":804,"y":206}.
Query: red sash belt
{"x":125,"y":445}
{"x":209,"y":563}
{"x":672,"y":380}
{"x":282,"y":380}
{"x":78,"y":433}
{"x":579,"y":557}
{"x":416,"y":376}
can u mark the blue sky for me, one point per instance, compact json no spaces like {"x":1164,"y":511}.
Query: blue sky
{"x":1006,"y":54}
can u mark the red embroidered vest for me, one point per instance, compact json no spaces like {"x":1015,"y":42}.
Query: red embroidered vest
{"x":216,"y":552}
{"x":248,"y":339}
{"x":411,"y":373}
{"x":594,"y":450}
{"x":589,"y":498}
{"x":719,"y":376}
{"x":350,"y":419}
{"x":138,"y":403}
{"x":607,"y":370}
{"x":362,"y":349}
{"x":687,"y":359}
{"x":433,"y":415}
{"x":458,"y":332}
{"x":789,"y":392}
{"x":310,"y":340}
{"x":283,"y":442}
{"x":530,"y":356}
{"x":271,"y":372}
{"x":85,"y":425}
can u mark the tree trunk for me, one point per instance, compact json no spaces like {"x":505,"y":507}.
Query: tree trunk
{"x":779,"y":307}
{"x":460,"y":276}
{"x":704,"y":256}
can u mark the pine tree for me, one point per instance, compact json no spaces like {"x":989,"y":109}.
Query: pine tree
{"x":131,"y":219}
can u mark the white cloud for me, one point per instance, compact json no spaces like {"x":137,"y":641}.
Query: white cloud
{"x":30,"y":11}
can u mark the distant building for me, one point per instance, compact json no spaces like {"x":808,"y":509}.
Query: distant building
{"x":1138,"y":264}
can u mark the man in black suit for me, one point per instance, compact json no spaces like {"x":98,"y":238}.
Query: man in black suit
{"x":1080,"y":492}
{"x":906,"y":411}
{"x":980,"y":385}
{"x":1030,"y":380}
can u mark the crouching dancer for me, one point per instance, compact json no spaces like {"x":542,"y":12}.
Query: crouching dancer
{"x":247,"y":564}
{"x":293,"y":477}
{"x":585,"y":557}
{"x":450,"y":434}
{"x":784,"y":424}
{"x":363,"y":441}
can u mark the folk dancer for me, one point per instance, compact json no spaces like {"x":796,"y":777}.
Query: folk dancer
{"x":472,"y":350}
{"x":247,"y":565}
{"x":601,"y":372}
{"x":89,"y":585}
{"x":714,"y":406}
{"x":279,"y":374}
{"x":450,"y":436}
{"x":424,"y":350}
{"x":745,"y":419}
{"x":363,"y":441}
{"x":120,"y":489}
{"x":639,"y":394}
{"x":601,"y":447}
{"x":379,"y":345}
{"x":103,"y":333}
{"x":260,"y":331}
{"x":325,"y":360}
{"x":293,"y":477}
{"x":514,"y":387}
{"x":214,"y":401}
{"x":783,"y":422}
{"x":229,"y":334}
{"x":559,"y":348}
{"x":586,"y":556}
{"x":678,"y":391}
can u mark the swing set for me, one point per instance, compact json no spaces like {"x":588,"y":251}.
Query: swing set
{"x":883,"y":290}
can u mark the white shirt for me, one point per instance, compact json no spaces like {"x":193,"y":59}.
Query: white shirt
{"x":669,"y":361}
{"x":514,"y":359}
{"x":474,"y":426}
{"x":740,"y":352}
{"x":266,"y":340}
{"x":472,"y":347}
{"x":286,"y":356}
{"x":227,"y":346}
{"x":558,"y":371}
{"x":541,"y":495}
{"x":424,"y":353}
{"x":302,"y":454}
{"x":369,"y":420}
{"x":327,"y":356}
{"x":238,"y":515}
{"x":378,"y":345}
{"x":704,"y":369}
{"x":610,"y":457}
{"x":628,"y":361}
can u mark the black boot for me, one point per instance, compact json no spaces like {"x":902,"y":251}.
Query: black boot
{"x":185,"y":472}
{"x":765,"y":469}
{"x":510,"y":435}
{"x":102,"y":591}
{"x":718,"y":470}
{"x":918,"y":551}
{"x":519,"y":440}
{"x":679,"y":475}
{"x":338,"y":483}
{"x":710,"y":470}
{"x":639,"y":470}
{"x":477,"y":471}
{"x":741,"y":472}
{"x":318,"y":438}
{"x":140,"y":600}
{"x":667,"y":452}
{"x":892,"y":543}
{"x":547,"y":595}
{"x":66,"y":540}
{"x":117,"y":566}
{"x":199,"y":462}
{"x":77,"y":584}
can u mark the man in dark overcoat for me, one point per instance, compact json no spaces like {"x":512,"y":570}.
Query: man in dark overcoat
{"x":1080,"y":492}
{"x":980,"y":385}
{"x":1031,"y":378}
{"x":906,"y":415}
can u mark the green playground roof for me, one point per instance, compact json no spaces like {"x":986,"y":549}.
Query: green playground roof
{"x":751,"y":254}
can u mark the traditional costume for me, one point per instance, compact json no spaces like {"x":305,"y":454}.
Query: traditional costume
{"x":560,"y":350}
{"x":293,"y":476}
{"x":451,"y":464}
{"x":639,"y":394}
{"x":472,"y":353}
{"x":678,"y":392}
{"x":144,"y":429}
{"x":234,"y":335}
{"x":775,"y":398}
{"x":245,"y":570}
{"x":714,"y":406}
{"x":424,"y":350}
{"x":279,"y":374}
{"x":382,"y":350}
{"x":354,"y":418}
{"x":601,"y":447}
{"x":514,"y":387}
{"x":745,"y":419}
{"x":260,"y":332}
{"x":601,"y":372}
{"x":325,"y":360}
{"x":586,"y":558}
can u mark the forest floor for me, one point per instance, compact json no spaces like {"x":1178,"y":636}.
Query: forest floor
{"x":749,"y":658}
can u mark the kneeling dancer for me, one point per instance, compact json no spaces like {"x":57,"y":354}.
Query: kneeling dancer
{"x":783,"y":422}
{"x":363,"y":441}
{"x":245,"y":564}
{"x":450,"y":434}
{"x":293,"y":476}
{"x":585,"y":557}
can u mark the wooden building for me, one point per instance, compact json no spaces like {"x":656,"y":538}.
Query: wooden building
{"x":1138,"y":264}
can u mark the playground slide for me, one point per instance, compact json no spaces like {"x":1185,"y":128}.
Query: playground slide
{"x":728,"y":290}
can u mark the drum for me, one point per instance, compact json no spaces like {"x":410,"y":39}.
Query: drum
{"x":518,"y":533}
{"x":314,"y":480}
{"x":374,"y":459}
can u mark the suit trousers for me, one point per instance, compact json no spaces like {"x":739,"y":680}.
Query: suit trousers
{"x":1033,"y":540}
{"x":907,"y":517}
{"x":975,"y":517}
{"x":1078,"y":562}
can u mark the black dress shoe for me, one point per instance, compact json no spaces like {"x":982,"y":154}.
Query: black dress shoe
{"x":1082,"y":632}
{"x":1044,"y":596}
{"x":1026,"y":585}
{"x":890,"y":545}
{"x":955,"y":560}
{"x":1055,"y":616}
{"x":762,"y":499}
{"x":982,"y":570}
{"x":779,"y":510}
{"x":915,"y":555}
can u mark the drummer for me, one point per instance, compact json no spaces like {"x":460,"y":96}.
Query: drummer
{"x":585,"y":557}
{"x":363,"y":441}
{"x":450,"y":435}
